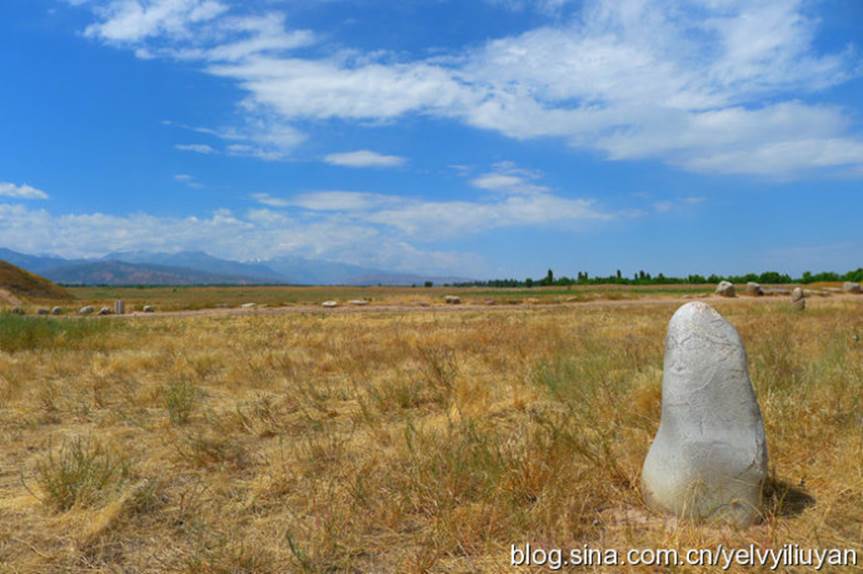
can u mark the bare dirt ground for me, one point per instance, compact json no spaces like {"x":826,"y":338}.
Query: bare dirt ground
{"x":8,"y":298}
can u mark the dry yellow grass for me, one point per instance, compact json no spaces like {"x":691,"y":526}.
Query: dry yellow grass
{"x":418,"y":442}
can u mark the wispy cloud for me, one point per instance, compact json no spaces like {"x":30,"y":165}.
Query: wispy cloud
{"x":718,"y":87}
{"x":188,"y":180}
{"x":506,"y":177}
{"x":196,"y":148}
{"x":21,"y":191}
{"x":364,"y":158}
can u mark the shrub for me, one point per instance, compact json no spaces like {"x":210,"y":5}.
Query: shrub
{"x":180,"y":399}
{"x":81,"y":473}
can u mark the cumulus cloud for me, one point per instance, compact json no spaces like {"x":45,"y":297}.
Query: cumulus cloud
{"x":506,"y":177}
{"x":364,"y":158}
{"x":21,"y":191}
{"x":719,"y":87}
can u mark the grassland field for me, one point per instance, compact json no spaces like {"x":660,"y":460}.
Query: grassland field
{"x":394,"y":442}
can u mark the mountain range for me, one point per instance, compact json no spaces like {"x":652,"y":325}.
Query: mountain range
{"x":199,"y":268}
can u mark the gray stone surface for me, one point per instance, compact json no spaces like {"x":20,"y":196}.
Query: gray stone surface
{"x":86,"y":310}
{"x":726,"y":289}
{"x":56,"y":310}
{"x":452,"y":300}
{"x":709,"y":458}
{"x":851,"y":287}
{"x":358,"y":302}
{"x":120,"y":307}
{"x":149,"y":309}
{"x":105,"y":311}
{"x":754,"y":289}
{"x":330,"y":304}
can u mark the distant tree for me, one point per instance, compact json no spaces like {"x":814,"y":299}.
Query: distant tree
{"x":619,"y":275}
{"x":549,"y":278}
{"x":428,"y":284}
{"x":528,"y":282}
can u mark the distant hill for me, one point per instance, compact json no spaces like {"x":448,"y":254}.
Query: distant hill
{"x":23,"y":284}
{"x":199,"y":268}
{"x":122,"y":273}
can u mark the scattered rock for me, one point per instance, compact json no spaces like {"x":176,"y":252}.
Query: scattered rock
{"x":358,"y":302}
{"x":148,"y":309}
{"x":105,"y":311}
{"x":851,"y":287}
{"x":709,"y":458}
{"x":247,"y":306}
{"x":726,"y":289}
{"x":119,"y":307}
{"x":86,"y":310}
{"x":754,"y":289}
{"x":329,"y":304}
{"x":798,"y":299}
{"x":452,"y":300}
{"x":42,"y":311}
{"x":56,"y":310}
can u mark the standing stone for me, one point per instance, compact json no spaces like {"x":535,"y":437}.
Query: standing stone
{"x":798,"y":299}
{"x":149,"y":309}
{"x":726,"y":289}
{"x":86,"y":310}
{"x":119,"y":307}
{"x":452,"y":300}
{"x":754,"y":289}
{"x":709,"y":458}
{"x":851,"y":287}
{"x":56,"y":310}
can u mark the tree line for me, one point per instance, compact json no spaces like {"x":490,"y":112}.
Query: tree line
{"x":645,"y":278}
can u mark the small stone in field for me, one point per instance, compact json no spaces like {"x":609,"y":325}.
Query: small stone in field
{"x":798,"y":299}
{"x":754,"y":289}
{"x":851,"y":287}
{"x":709,"y":458}
{"x":86,"y":310}
{"x":358,"y":302}
{"x":726,"y":289}
{"x":329,"y":304}
{"x":149,"y":309}
{"x":105,"y":311}
{"x":56,"y":310}
{"x":247,"y":306}
{"x":452,"y":300}
{"x":42,"y":311}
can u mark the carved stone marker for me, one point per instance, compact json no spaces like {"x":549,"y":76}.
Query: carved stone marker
{"x":726,"y":289}
{"x":709,"y":458}
{"x":119,"y":307}
{"x":798,"y":299}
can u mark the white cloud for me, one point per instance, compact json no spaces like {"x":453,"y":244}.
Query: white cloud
{"x":189,"y":180}
{"x":704,"y":85}
{"x":364,"y":158}
{"x":21,"y":191}
{"x":506,"y":177}
{"x":196,"y":148}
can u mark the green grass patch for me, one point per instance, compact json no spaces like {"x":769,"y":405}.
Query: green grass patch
{"x":19,"y":333}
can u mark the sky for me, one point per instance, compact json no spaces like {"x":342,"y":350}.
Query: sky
{"x":480,"y":138}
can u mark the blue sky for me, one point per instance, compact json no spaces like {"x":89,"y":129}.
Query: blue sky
{"x":475,"y":137}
